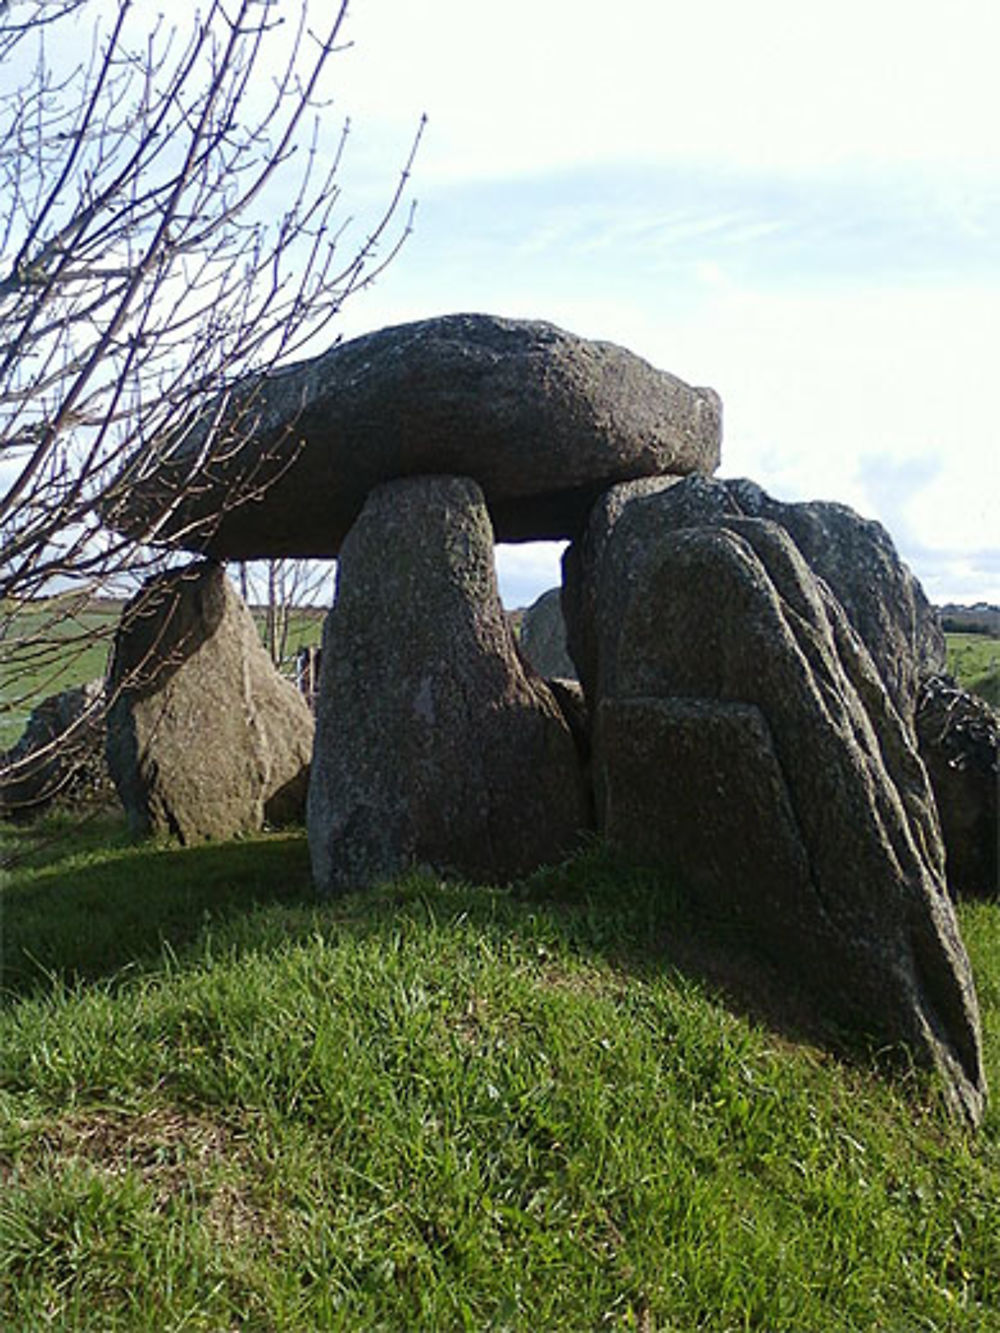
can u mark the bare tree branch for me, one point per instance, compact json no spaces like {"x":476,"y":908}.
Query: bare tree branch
{"x":169,"y":225}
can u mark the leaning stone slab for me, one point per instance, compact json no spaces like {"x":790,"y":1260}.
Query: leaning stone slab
{"x":205,"y":738}
{"x":543,"y":420}
{"x":588,"y":623}
{"x":854,"y":556}
{"x":434,"y":746}
{"x":750,"y":746}
{"x":884,"y":602}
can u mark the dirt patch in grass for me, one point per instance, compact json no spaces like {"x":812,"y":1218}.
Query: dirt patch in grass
{"x":174,"y":1152}
{"x":554,"y":974}
{"x":158,"y":1145}
{"x":150,"y":1142}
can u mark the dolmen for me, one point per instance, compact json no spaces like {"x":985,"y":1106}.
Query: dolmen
{"x":749,"y":671}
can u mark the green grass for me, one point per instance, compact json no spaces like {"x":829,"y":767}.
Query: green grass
{"x":974,"y":660}
{"x":73,"y":648}
{"x":432,"y":1107}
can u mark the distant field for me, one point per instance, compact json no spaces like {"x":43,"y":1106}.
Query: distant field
{"x":974,"y":659}
{"x":81,"y":654}
{"x":76,"y":651}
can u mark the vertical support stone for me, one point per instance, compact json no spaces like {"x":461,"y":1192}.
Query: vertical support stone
{"x":205,"y":738}
{"x":745,"y":740}
{"x":433,"y":745}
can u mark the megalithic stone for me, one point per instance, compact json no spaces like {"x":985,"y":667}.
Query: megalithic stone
{"x":434,"y":745}
{"x":745,"y":740}
{"x":543,"y":420}
{"x":853,"y":555}
{"x":205,"y":738}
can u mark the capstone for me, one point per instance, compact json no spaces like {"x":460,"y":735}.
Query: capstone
{"x":544,"y":421}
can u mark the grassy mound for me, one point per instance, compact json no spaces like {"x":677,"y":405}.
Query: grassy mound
{"x":433,"y":1106}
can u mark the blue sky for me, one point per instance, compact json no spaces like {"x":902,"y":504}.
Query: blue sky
{"x":794,"y":201}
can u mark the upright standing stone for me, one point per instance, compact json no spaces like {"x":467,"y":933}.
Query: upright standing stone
{"x":959,"y":738}
{"x":543,"y":637}
{"x":205,"y":738}
{"x":433,"y":746}
{"x":745,"y":740}
{"x":59,"y":756}
{"x":854,"y":556}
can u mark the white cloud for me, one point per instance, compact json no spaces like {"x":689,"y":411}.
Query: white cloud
{"x":793,"y":202}
{"x":780,"y":84}
{"x":525,"y":571}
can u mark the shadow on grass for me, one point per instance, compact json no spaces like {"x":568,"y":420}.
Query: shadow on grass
{"x":107,"y":914}
{"x":102,"y":913}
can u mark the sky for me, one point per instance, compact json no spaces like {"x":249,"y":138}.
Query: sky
{"x":793,"y":201}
